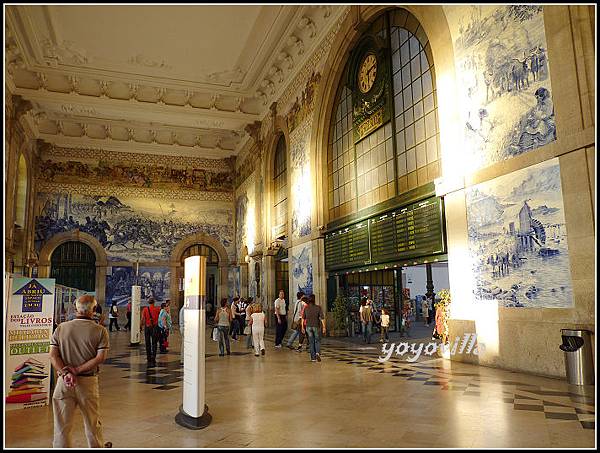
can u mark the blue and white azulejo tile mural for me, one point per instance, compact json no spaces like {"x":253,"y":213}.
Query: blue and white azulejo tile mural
{"x":518,"y":239}
{"x":118,"y":285}
{"x":503,"y":80}
{"x":301,"y":269}
{"x":155,"y":282}
{"x":132,"y":229}
{"x":233,"y":282}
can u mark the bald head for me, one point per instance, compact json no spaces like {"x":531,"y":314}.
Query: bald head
{"x":85,"y":305}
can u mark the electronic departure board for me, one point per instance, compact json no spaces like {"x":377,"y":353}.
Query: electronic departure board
{"x":409,"y":232}
{"x":347,"y":247}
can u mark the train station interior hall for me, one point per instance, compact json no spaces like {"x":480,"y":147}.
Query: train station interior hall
{"x":300,"y":226}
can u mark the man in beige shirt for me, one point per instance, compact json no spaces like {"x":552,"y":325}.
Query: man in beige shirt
{"x":76,"y":349}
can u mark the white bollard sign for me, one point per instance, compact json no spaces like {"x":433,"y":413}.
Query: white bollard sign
{"x":193,"y":413}
{"x":136,"y":301}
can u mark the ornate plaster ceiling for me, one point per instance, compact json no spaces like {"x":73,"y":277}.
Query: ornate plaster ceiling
{"x":178,"y":80}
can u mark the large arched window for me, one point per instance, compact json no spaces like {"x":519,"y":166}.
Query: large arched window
{"x":403,"y":153}
{"x":21,"y":198}
{"x":280,"y":189}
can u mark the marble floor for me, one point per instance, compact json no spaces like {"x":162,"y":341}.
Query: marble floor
{"x":348,"y":400}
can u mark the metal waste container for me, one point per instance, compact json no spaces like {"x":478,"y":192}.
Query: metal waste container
{"x":577,"y":346}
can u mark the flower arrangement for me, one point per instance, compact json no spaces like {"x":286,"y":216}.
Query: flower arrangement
{"x":442,"y":312}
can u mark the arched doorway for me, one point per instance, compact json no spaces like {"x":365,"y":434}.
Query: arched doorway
{"x":73,"y":264}
{"x":212,"y":271}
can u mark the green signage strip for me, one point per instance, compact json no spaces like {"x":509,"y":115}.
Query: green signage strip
{"x":408,"y":232}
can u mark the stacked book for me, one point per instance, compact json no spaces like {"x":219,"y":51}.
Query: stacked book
{"x":27,"y":382}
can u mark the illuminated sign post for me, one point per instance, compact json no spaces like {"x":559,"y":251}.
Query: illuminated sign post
{"x":193,"y":413}
{"x":136,"y":300}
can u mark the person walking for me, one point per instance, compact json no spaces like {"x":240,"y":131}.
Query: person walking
{"x":242,"y":305}
{"x":258,"y":321}
{"x":425,"y":311}
{"x":280,"y":314}
{"x":113,"y":315}
{"x":235,"y":316}
{"x":297,"y":321}
{"x":385,"y":325}
{"x":223,"y":318}
{"x":366,"y":318}
{"x":312,"y":314}
{"x":249,"y":311}
{"x":128,"y":314}
{"x":165,"y":325}
{"x":150,"y":325}
{"x":77,"y":348}
{"x":432,"y":309}
{"x":98,"y":316}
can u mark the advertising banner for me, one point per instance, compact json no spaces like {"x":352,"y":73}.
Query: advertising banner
{"x":29,"y":322}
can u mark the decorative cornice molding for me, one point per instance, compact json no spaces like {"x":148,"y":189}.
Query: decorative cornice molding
{"x":313,"y":62}
{"x":148,"y":62}
{"x":141,"y":159}
{"x":21,"y":107}
{"x":64,"y":53}
{"x":253,"y":130}
{"x":301,"y":38}
{"x":134,"y":192}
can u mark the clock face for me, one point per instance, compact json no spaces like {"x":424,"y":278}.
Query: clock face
{"x":367,"y":73}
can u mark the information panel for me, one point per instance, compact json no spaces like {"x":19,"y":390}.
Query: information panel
{"x":410,"y":232}
{"x":413,"y":231}
{"x":347,"y":247}
{"x":29,"y":322}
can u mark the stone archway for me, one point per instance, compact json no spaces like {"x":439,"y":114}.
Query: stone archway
{"x":76,"y":236}
{"x":177,"y":269}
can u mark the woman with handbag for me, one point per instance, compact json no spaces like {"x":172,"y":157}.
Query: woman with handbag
{"x":223,"y":319}
{"x":301,"y":302}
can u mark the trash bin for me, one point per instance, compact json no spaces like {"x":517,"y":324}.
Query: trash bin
{"x":577,"y":347}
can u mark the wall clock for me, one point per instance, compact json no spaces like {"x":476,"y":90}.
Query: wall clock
{"x":367,"y":73}
{"x":369,"y":79}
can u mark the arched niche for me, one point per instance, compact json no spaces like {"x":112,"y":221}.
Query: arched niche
{"x":49,"y":246}
{"x":177,"y":269}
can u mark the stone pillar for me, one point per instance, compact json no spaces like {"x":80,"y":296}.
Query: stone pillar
{"x":268,"y":291}
{"x":100,"y":284}
{"x":244,"y":280}
{"x":223,"y":281}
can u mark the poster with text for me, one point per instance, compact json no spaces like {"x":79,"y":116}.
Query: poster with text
{"x":29,"y":324}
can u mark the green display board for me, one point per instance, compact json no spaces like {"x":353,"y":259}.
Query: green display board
{"x":408,"y":232}
{"x":347,"y":247}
